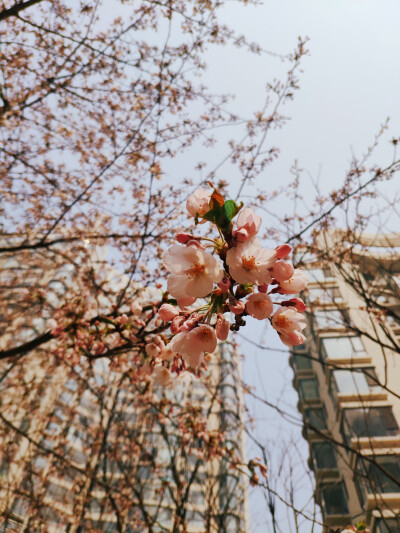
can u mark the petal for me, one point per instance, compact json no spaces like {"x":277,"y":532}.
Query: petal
{"x":199,"y":286}
{"x":175,"y":260}
{"x":177,"y":286}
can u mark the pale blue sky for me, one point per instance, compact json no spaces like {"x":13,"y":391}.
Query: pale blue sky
{"x":350,"y":84}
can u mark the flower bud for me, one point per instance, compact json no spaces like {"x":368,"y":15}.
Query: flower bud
{"x":176,"y":324}
{"x":263,"y":288}
{"x":183,"y":238}
{"x":167,"y":312}
{"x":152,"y":349}
{"x":224,"y":284}
{"x":297,"y":303}
{"x":222,"y":328}
{"x":237,"y":307}
{"x":282,"y":270}
{"x":283,"y":250}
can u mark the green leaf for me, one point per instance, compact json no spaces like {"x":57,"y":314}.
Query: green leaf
{"x":223,"y":215}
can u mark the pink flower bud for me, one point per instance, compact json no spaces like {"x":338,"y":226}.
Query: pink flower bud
{"x":152,"y":349}
{"x":183,"y":238}
{"x":241,"y":234}
{"x":237,"y":307}
{"x":297,"y":303}
{"x":195,"y":243}
{"x":199,"y":202}
{"x":162,"y":376}
{"x":168,"y":354}
{"x":224,"y":284}
{"x":167,"y":312}
{"x":282,"y":270}
{"x":122,"y":320}
{"x":160,"y":343}
{"x":176,"y":324}
{"x":190,"y":323}
{"x":186,"y":302}
{"x":136,"y":309}
{"x":283,"y":250}
{"x":263,"y":288}
{"x":222,"y":328}
{"x":296,"y":283}
{"x":259,"y":306}
{"x":248,"y":224}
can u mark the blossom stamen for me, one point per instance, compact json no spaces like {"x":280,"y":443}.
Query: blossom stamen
{"x":196,"y":270}
{"x":249,"y":263}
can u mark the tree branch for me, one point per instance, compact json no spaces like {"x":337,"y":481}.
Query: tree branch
{"x":16,"y":9}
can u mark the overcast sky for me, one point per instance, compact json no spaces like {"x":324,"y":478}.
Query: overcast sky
{"x":350,"y":84}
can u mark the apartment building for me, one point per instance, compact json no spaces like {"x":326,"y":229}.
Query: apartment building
{"x":84,"y":448}
{"x":348,"y":378}
{"x":91,"y":458}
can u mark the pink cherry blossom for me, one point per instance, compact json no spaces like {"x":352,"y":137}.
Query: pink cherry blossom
{"x":248,"y":224}
{"x":167,"y":354}
{"x":136,"y":308}
{"x":183,"y":238}
{"x":167,"y":312}
{"x":196,"y":243}
{"x":289,"y":324}
{"x":222,"y":327}
{"x":282,"y":271}
{"x":186,"y":302}
{"x":296,"y":283}
{"x":283,"y":250}
{"x":199,"y":202}
{"x":193,"y":271}
{"x":162,"y":375}
{"x":297,"y":303}
{"x":259,"y":306}
{"x":236,"y":307}
{"x":152,"y":349}
{"x":225,"y":285}
{"x":176,"y":324}
{"x":193,"y":344}
{"x":249,"y":263}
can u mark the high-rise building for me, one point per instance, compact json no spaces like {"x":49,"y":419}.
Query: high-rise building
{"x":83,"y":448}
{"x":348,"y":377}
{"x":91,"y":458}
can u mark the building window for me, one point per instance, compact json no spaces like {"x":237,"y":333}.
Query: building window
{"x":326,"y":295}
{"x":330,"y":318}
{"x":342,"y":348}
{"x":323,"y":455}
{"x":334,"y":499}
{"x":315,"y":418}
{"x":308,"y":389}
{"x":318,"y":275}
{"x":369,"y":422}
{"x":376,"y":480}
{"x":355,"y":381}
{"x":301,"y":362}
{"x":387,"y":525}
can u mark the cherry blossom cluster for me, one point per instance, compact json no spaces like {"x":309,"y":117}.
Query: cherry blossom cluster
{"x":233,"y":274}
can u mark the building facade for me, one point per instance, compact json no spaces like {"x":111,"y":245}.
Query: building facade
{"x":79,"y":453}
{"x":84,"y":447}
{"x":348,"y":378}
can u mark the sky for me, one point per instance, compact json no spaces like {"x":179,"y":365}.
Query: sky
{"x":349,"y":85}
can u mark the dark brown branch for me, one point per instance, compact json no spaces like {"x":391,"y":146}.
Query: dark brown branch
{"x":16,"y":9}
{"x":48,"y":244}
